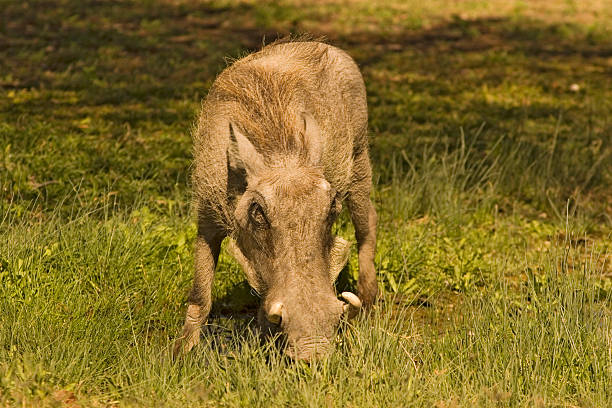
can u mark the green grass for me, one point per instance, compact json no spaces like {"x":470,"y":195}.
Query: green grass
{"x":492,"y":183}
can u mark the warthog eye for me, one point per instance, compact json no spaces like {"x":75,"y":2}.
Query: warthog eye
{"x":257,"y":215}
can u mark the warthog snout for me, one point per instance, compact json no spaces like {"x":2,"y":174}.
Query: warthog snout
{"x":309,"y":334}
{"x":309,"y":348}
{"x":349,"y":309}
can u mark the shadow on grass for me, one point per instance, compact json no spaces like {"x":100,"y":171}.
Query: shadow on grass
{"x":532,"y":37}
{"x":101,"y":95}
{"x":121,"y":73}
{"x":94,"y":46}
{"x":239,"y":302}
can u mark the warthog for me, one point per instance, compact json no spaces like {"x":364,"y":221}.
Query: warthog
{"x":280,"y":144}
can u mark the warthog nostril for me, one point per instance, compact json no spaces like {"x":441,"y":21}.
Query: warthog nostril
{"x":275,"y":313}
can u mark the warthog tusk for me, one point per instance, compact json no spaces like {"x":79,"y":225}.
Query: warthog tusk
{"x":275,"y":313}
{"x":354,"y":304}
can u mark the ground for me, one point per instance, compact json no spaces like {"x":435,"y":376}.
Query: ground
{"x":491,"y":143}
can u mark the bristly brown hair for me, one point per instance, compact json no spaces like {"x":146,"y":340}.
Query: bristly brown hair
{"x":265,"y":96}
{"x":262,"y":97}
{"x":301,"y":37}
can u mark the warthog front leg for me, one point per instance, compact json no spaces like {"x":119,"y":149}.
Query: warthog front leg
{"x":363,"y":216}
{"x":207,"y":247}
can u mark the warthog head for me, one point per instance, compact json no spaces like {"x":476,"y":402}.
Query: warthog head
{"x":285,"y":246}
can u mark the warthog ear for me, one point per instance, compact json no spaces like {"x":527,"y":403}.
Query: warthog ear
{"x":250,"y":273}
{"x":242,"y":153}
{"x":312,"y":138}
{"x":338,"y":256}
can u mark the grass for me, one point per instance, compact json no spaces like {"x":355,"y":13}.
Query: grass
{"x":492,"y":179}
